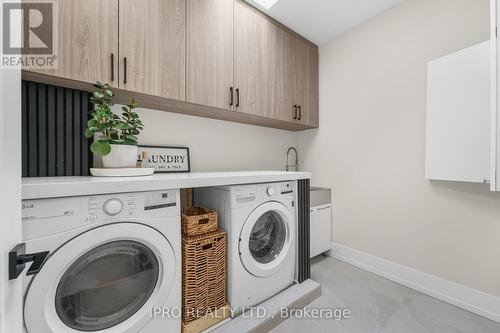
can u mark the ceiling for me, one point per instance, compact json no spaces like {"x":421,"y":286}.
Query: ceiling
{"x":321,"y":20}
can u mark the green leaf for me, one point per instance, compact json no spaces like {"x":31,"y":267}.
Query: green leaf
{"x":100,"y":147}
{"x":121,"y":126}
{"x":98,"y":94}
{"x":131,"y":137}
{"x":92,"y":123}
{"x":130,"y":142}
{"x":89,"y":133}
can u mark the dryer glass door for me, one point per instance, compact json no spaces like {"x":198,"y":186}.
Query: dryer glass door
{"x":265,"y":239}
{"x":106,"y":285}
{"x":105,"y":279}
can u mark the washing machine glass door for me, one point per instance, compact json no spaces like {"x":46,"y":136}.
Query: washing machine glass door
{"x":103,"y":279}
{"x":265,"y":239}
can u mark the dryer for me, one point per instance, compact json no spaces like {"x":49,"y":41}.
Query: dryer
{"x":114,"y":263}
{"x":260,"y":224}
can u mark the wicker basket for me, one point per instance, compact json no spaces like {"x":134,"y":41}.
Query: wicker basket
{"x":203,"y":274}
{"x":197,"y":221}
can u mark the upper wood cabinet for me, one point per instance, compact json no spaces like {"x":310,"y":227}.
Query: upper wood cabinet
{"x":209,"y":71}
{"x":282,"y":103}
{"x":88,"y":40}
{"x":294,"y":81}
{"x":152,"y":47}
{"x":253,"y":33}
{"x":225,"y":58}
{"x":307,"y":85}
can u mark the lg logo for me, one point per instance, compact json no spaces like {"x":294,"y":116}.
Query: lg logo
{"x":33,"y":22}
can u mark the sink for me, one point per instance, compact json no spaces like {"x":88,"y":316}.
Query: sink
{"x":320,"y":196}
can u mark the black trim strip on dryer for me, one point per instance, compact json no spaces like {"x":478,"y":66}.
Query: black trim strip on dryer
{"x":303,"y":206}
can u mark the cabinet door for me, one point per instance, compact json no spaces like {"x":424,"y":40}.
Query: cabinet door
{"x":152,"y":47}
{"x":293,"y":94}
{"x":311,"y":99}
{"x":321,"y":229}
{"x":87,"y":41}
{"x":252,"y":44}
{"x":457,"y":144}
{"x":210,"y":53}
{"x":495,"y":101}
{"x":306,"y":80}
{"x":282,"y":96}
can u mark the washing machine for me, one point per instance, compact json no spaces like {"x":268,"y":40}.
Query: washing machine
{"x":112,"y":263}
{"x":260,"y":224}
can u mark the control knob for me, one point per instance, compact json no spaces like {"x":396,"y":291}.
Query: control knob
{"x":113,"y":207}
{"x":270,"y":191}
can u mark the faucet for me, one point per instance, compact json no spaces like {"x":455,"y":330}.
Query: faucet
{"x":295,"y":166}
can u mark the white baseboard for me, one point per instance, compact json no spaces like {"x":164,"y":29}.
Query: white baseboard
{"x":472,"y":300}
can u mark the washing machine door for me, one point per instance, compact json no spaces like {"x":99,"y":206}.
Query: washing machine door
{"x":265,"y":239}
{"x":106,"y":279}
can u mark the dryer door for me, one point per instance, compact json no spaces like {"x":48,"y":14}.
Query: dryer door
{"x":107,"y":278}
{"x":265,"y":239}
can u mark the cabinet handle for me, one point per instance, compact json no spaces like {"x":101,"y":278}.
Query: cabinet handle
{"x":112,"y":67}
{"x":295,"y":112}
{"x":300,"y":113}
{"x":125,"y":70}
{"x":231,"y":96}
{"x":237,"y":97}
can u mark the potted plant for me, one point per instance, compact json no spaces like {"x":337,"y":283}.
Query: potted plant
{"x":116,"y":139}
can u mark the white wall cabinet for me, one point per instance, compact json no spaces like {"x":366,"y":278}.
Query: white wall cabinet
{"x":321,"y":229}
{"x":458,"y":116}
{"x":495,"y":126}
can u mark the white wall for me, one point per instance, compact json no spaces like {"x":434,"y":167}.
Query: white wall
{"x":370,"y":146}
{"x":218,"y":145}
{"x":10,"y":195}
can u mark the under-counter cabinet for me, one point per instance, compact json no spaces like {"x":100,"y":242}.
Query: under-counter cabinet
{"x":321,"y":229}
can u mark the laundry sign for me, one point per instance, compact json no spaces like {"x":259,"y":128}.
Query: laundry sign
{"x":165,"y":159}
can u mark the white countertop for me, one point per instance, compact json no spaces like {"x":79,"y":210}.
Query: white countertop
{"x":53,"y":187}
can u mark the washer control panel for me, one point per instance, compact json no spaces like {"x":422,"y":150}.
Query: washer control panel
{"x":43,"y":217}
{"x":276,"y":190}
{"x":104,"y":207}
{"x":247,"y":194}
{"x":149,"y":204}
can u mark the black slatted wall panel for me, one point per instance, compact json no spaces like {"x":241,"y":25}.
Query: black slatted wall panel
{"x":54,"y":120}
{"x":304,"y":229}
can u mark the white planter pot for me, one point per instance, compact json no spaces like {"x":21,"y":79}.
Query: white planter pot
{"x":121,"y":156}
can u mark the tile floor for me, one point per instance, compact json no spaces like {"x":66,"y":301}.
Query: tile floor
{"x":380,"y":305}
